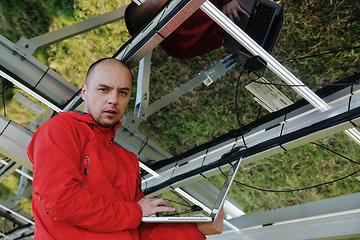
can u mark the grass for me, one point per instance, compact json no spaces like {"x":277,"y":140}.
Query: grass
{"x":299,"y":168}
{"x":310,"y":27}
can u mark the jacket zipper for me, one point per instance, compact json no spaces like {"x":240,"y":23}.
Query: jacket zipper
{"x":86,"y":170}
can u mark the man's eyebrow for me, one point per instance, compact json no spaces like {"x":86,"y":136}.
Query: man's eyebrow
{"x":104,"y":85}
{"x":125,"y":88}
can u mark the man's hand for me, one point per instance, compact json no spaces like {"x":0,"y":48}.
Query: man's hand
{"x":232,"y":10}
{"x":151,"y":206}
{"x":215,"y":227}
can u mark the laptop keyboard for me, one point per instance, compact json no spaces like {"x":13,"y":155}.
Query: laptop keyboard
{"x":259,"y":22}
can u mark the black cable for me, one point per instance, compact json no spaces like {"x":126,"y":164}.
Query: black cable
{"x":142,"y":148}
{"x":308,"y":84}
{"x":350,"y":160}
{"x":236,"y":99}
{"x":299,"y":189}
{"x":202,"y":164}
{"x":319,"y":54}
{"x":182,"y":198}
{"x":293,"y":190}
{"x":194,"y":208}
{"x":3,"y":98}
{"x":304,"y":85}
{"x":173,"y":201}
{"x":4,"y":88}
{"x":305,"y":188}
{"x":236,"y":105}
{"x":259,"y":112}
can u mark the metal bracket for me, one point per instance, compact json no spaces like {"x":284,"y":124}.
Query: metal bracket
{"x":25,"y":47}
{"x":219,"y":69}
{"x":143,"y":81}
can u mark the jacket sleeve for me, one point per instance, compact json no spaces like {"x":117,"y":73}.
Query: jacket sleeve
{"x":55,"y":151}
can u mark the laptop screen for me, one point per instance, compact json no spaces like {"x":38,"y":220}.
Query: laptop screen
{"x":194,"y":213}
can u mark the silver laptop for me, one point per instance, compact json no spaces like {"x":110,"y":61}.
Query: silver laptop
{"x":215,"y":210}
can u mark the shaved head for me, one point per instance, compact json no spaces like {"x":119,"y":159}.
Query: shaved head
{"x":112,"y":62}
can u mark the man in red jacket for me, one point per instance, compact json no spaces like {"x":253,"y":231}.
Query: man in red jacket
{"x":85,"y":186}
{"x":197,"y":35}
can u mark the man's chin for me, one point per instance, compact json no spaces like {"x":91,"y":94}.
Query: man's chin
{"x":108,"y":124}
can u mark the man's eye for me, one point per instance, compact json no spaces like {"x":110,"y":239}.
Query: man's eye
{"x":123,"y":93}
{"x":102,"y":89}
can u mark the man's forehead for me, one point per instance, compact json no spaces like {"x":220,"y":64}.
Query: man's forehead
{"x":111,"y":74}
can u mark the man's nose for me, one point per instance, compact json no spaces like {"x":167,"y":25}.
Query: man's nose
{"x":112,"y":98}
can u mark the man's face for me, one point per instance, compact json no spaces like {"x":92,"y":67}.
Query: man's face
{"x":107,"y":93}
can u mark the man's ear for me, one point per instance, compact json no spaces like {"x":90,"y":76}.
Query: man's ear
{"x":83,"y":91}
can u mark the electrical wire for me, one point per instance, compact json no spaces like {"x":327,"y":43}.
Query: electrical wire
{"x":194,"y":208}
{"x":191,"y":208}
{"x":320,"y":54}
{"x":303,"y":85}
{"x":307,"y":85}
{"x":143,"y":146}
{"x":4,"y":88}
{"x":236,"y":99}
{"x":299,"y":189}
{"x":305,"y":188}
{"x":236,"y":105}
{"x":328,"y":149}
{"x":182,"y":198}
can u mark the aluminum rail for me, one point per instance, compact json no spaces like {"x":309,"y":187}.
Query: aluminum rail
{"x":173,"y":14}
{"x":34,"y":77}
{"x":78,"y":28}
{"x":334,"y":218}
{"x":14,"y":140}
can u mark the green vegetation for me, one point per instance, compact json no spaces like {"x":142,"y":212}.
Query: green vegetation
{"x":310,"y":27}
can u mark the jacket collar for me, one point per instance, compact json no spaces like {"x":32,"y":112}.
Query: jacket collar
{"x":87,"y":118}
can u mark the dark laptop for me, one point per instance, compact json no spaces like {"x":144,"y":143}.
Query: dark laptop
{"x":263,"y":26}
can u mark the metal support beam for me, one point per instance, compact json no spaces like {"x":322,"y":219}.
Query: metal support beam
{"x":7,"y":169}
{"x":142,"y":90}
{"x":32,"y":76}
{"x":14,"y":140}
{"x":78,"y":28}
{"x":19,"y":217}
{"x":20,"y":233}
{"x":167,"y":20}
{"x":333,"y":218}
{"x":20,"y":193}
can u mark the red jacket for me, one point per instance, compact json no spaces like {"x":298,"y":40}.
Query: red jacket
{"x":197,"y":35}
{"x":87,"y":187}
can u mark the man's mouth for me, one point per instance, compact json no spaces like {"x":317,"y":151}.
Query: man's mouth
{"x":111,"y":112}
